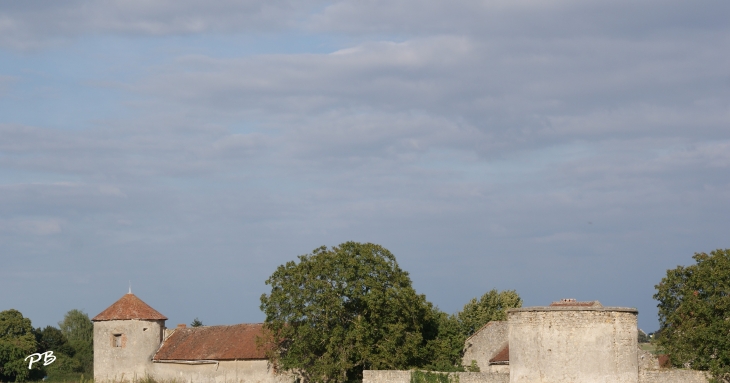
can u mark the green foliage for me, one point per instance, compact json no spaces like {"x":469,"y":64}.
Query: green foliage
{"x":52,"y":339}
{"x":643,"y":338}
{"x":447,"y":348}
{"x":344,"y":309}
{"x":196,"y":323}
{"x":79,"y":331}
{"x":492,"y":306}
{"x":694,"y":314}
{"x":433,"y":377}
{"x":17,"y":341}
{"x":473,"y":367}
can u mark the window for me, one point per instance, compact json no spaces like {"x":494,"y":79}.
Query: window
{"x":117,"y":340}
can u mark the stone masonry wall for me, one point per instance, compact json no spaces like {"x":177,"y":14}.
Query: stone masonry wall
{"x":240,"y":371}
{"x":484,"y":344}
{"x":129,"y":359}
{"x":672,"y":376}
{"x":392,"y":376}
{"x":549,"y":345}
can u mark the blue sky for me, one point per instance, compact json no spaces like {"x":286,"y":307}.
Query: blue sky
{"x":567,"y":149}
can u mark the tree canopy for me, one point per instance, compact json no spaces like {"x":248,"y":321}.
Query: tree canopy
{"x":694,"y":313}
{"x":79,"y":331}
{"x":17,"y":341}
{"x":492,"y":306}
{"x":344,"y":309}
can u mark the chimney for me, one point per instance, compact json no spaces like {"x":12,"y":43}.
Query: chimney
{"x":182,"y":325}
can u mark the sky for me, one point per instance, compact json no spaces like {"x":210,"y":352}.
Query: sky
{"x":562,"y":149}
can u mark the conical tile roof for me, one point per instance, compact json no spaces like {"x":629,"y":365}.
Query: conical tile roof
{"x":129,"y":307}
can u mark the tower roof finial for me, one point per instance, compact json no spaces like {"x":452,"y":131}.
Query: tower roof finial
{"x":130,"y":287}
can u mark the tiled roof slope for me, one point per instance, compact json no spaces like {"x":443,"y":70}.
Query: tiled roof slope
{"x":213,"y":343}
{"x":502,"y":356}
{"x":129,"y":307}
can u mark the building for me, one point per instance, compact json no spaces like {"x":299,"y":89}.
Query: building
{"x":131,"y":342}
{"x":565,"y":342}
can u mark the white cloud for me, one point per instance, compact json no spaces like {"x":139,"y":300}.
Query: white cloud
{"x":34,"y":226}
{"x":30,"y":25}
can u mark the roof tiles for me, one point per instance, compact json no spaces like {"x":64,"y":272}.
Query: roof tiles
{"x":502,"y":357}
{"x":129,"y":307}
{"x":213,"y":343}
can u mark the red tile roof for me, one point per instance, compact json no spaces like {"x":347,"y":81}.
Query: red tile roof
{"x":213,"y":343}
{"x":129,"y":307}
{"x":502,"y":357}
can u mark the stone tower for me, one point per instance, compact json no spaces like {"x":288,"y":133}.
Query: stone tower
{"x":126,"y":336}
{"x":571,"y":341}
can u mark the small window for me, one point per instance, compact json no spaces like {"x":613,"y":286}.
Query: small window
{"x":144,"y":329}
{"x":117,"y":340}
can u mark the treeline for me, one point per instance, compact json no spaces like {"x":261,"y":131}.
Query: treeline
{"x":71,"y":343}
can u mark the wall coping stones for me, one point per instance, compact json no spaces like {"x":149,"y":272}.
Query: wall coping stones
{"x":572,"y":308}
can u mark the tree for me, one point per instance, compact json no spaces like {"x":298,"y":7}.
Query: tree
{"x":447,"y":349}
{"x":17,"y":341}
{"x":643,"y":337}
{"x":492,"y":306}
{"x":344,"y":309}
{"x":694,"y":314}
{"x":196,"y":323}
{"x":79,"y":330}
{"x":52,"y":339}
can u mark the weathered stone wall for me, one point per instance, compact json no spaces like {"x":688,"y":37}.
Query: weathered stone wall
{"x":241,"y":371}
{"x":386,"y":376}
{"x":568,"y":344}
{"x":672,"y":376}
{"x":138,"y":339}
{"x":484,"y":344}
{"x":393,"y":376}
{"x":647,"y":360}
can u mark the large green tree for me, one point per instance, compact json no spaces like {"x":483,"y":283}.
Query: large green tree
{"x":79,"y":331}
{"x":344,"y":309}
{"x":17,"y":341}
{"x":694,"y":313}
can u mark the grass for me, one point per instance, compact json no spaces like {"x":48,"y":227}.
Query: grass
{"x":652,"y":348}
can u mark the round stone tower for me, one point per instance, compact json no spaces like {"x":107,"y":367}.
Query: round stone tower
{"x":126,"y":335}
{"x":571,"y":342}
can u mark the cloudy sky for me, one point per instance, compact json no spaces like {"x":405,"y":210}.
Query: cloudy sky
{"x":565,"y":149}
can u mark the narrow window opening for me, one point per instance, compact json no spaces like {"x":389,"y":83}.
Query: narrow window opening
{"x":144,"y":329}
{"x":117,"y":340}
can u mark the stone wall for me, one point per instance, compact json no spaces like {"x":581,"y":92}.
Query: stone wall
{"x":241,"y":371}
{"x":123,"y":348}
{"x":484,"y":344}
{"x":647,"y":360}
{"x":569,"y":344}
{"x":393,"y":376}
{"x":672,"y":376}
